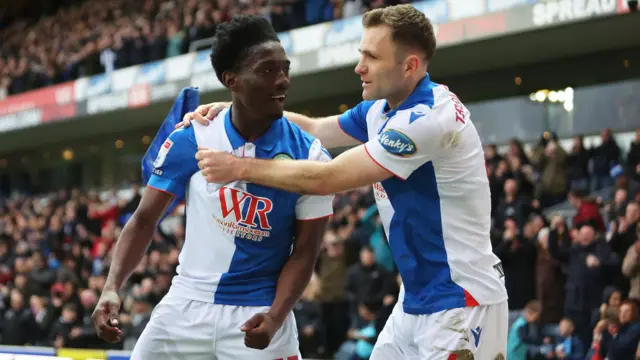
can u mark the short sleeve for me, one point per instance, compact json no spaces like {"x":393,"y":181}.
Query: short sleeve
{"x":354,"y":121}
{"x":408,"y":141}
{"x":176,"y":163}
{"x":310,"y":207}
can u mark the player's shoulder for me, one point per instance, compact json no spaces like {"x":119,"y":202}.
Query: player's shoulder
{"x":183,"y":136}
{"x":298,"y":142}
{"x":444,"y":108}
{"x":375,"y":106}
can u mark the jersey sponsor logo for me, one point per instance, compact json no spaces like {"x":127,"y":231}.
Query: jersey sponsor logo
{"x":162,"y":154}
{"x":378,"y":192}
{"x":397,"y":143}
{"x":244,"y":215}
{"x":282,"y":156}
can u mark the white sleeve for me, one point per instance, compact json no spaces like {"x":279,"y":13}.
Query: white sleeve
{"x":310,"y":207}
{"x":409,"y":140}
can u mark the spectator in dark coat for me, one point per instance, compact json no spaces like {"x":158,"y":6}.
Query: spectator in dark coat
{"x":18,"y":325}
{"x":308,"y":314}
{"x":633,"y":158}
{"x":588,"y":262}
{"x":620,"y":342}
{"x":366,"y":281}
{"x":518,"y":256}
{"x":604,"y":157}
{"x":512,"y":205}
{"x":623,"y":236}
{"x":578,"y":165}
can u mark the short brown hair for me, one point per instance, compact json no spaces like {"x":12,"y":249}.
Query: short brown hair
{"x":533,"y":307}
{"x":409,"y":26}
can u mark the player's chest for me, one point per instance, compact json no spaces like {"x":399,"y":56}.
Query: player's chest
{"x":376,"y":123}
{"x":244,"y":207}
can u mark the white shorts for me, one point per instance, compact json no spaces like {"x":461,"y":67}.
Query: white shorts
{"x":465,"y":333}
{"x":189,"y":329}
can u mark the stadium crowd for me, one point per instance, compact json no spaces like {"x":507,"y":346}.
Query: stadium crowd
{"x":582,"y":273}
{"x":94,"y":36}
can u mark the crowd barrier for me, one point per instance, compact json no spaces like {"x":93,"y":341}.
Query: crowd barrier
{"x":47,"y":353}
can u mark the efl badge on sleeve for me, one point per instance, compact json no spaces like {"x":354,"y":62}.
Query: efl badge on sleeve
{"x":162,"y":154}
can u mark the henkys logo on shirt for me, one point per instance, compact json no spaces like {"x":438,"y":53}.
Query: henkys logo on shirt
{"x":244,"y":215}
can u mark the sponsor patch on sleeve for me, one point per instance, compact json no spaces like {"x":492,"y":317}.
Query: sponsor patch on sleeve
{"x":162,"y":154}
{"x":397,"y":143}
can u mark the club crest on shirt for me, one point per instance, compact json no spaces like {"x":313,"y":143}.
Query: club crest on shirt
{"x":162,"y":154}
{"x":282,"y":156}
{"x":397,"y":143}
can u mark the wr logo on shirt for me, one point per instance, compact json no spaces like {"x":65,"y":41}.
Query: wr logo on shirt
{"x":246,"y":209}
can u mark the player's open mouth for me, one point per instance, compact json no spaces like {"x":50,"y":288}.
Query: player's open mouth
{"x":279,"y":98}
{"x":365,"y":83}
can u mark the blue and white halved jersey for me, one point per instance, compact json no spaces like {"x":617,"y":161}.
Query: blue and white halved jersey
{"x":238,"y":235}
{"x":436,"y":210}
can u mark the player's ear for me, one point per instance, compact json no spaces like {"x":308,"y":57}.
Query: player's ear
{"x":411,"y":64}
{"x":229,"y":80}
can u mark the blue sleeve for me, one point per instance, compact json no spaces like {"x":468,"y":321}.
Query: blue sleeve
{"x":354,"y":121}
{"x":176,"y":163}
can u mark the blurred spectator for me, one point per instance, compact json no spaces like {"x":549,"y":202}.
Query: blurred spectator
{"x":551,"y":161}
{"x":621,"y":340}
{"x":134,"y":321}
{"x":366,"y":281}
{"x":578,"y":165}
{"x":550,"y":279}
{"x":308,"y":315}
{"x":623,"y":181}
{"x":513,"y":205}
{"x":623,"y":236}
{"x":611,"y":300}
{"x":604,"y":157}
{"x":518,"y":256}
{"x":361,"y":339}
{"x":567,"y":346}
{"x":588,"y":210}
{"x":588,"y":262}
{"x":633,"y":158}
{"x":525,"y":337}
{"x":631,"y":268}
{"x":18,"y":326}
{"x":332,"y":274}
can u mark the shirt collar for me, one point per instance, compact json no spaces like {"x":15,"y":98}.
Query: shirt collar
{"x":422,"y":94}
{"x":265,"y":142}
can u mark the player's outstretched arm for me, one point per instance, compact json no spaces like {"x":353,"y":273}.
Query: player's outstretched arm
{"x":326,"y":129}
{"x":349,"y":170}
{"x":294,"y":278}
{"x":128,"y":253}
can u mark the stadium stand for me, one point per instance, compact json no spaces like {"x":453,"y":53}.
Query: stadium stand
{"x":55,"y":249}
{"x":97,"y":36}
{"x":555,"y":202}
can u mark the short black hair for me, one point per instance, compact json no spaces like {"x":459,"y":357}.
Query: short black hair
{"x":233,"y":40}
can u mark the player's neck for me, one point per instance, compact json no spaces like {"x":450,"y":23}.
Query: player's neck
{"x":247,"y":125}
{"x":395,"y":100}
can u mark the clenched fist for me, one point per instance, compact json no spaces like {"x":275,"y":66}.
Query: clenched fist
{"x":105,"y":317}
